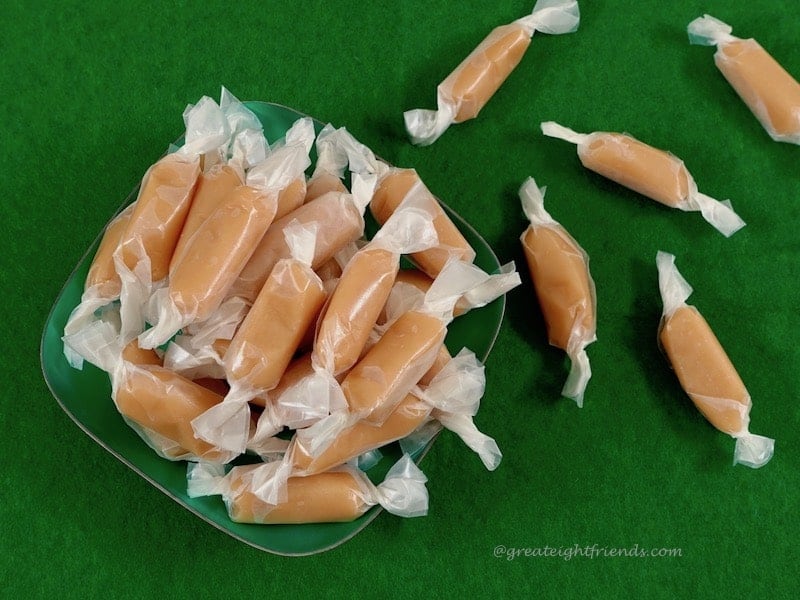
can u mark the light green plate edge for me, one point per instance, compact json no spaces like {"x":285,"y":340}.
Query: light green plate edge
{"x":86,"y":395}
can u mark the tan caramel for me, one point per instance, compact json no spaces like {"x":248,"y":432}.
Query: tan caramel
{"x":560,"y":275}
{"x":391,"y":191}
{"x":652,"y":172}
{"x":354,"y":307}
{"x":393,"y":365}
{"x":298,"y":369}
{"x":160,"y":212}
{"x":704,"y":369}
{"x":363,"y":437}
{"x":211,"y":189}
{"x":321,"y":184}
{"x":102,"y":272}
{"x":764,"y":85}
{"x":338,"y":223}
{"x":164,"y":402}
{"x":219,"y":250}
{"x":478,"y":77}
{"x":291,"y":197}
{"x":323,"y":498}
{"x":270,"y":333}
{"x":133,"y":354}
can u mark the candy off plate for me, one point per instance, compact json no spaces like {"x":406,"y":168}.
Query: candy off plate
{"x":86,"y":395}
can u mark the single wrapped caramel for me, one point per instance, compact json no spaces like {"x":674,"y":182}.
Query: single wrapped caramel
{"x":470,"y":86}
{"x":654,"y":173}
{"x":560,"y":272}
{"x":336,"y":496}
{"x":362,"y":290}
{"x":266,"y":341}
{"x":157,"y":403}
{"x":770,"y":92}
{"x":704,"y":369}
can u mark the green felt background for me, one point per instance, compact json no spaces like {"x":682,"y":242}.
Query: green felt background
{"x":91,"y":94}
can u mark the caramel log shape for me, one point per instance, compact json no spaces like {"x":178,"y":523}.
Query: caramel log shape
{"x":652,"y":172}
{"x":291,"y":197}
{"x":391,"y":191}
{"x":270,"y":333}
{"x":363,"y":437}
{"x":338,"y":223}
{"x":211,"y":189}
{"x":219,"y":250}
{"x":164,"y":402}
{"x":323,"y":498}
{"x":771,"y":93}
{"x":133,"y":354}
{"x":387,"y":372}
{"x":102,"y":272}
{"x":354,"y":307}
{"x":321,"y":184}
{"x":478,"y":77}
{"x":704,"y":370}
{"x":561,"y":278}
{"x":161,"y":208}
{"x":298,"y":369}
{"x":442,"y":358}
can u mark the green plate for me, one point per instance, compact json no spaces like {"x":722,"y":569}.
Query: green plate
{"x":86,"y":395}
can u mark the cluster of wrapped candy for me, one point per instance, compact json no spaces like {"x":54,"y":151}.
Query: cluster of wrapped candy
{"x":559,"y":266}
{"x":279,"y":316}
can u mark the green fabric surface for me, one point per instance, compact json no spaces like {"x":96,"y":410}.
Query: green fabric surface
{"x":92,"y":94}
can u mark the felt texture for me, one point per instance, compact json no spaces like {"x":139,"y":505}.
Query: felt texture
{"x":92,"y":94}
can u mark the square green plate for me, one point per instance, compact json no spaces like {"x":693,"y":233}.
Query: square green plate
{"x":86,"y":395}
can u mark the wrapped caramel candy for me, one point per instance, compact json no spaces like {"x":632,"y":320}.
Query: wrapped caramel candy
{"x":704,"y":369}
{"x":335,"y":496}
{"x":770,"y":92}
{"x":560,"y":272}
{"x":467,"y":89}
{"x":654,"y":173}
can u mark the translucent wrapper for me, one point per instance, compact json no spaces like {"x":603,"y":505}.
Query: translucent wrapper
{"x":651,"y":172}
{"x":102,"y":284}
{"x":146,"y":247}
{"x":367,"y":279}
{"x":339,"y":220}
{"x":395,"y":188}
{"x":193,"y":362}
{"x":470,"y":86}
{"x":767,"y":89}
{"x":157,"y":403}
{"x":559,"y":269}
{"x":330,"y":166}
{"x":336,"y":496}
{"x":704,"y":369}
{"x":266,"y":341}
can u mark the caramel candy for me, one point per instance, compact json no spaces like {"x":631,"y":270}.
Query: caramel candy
{"x":158,"y":217}
{"x":651,"y":172}
{"x":704,"y":369}
{"x":767,"y":89}
{"x":402,"y":184}
{"x":102,"y":275}
{"x":338,"y":222}
{"x":136,"y":355}
{"x":382,"y":378}
{"x":212,"y":188}
{"x":463,"y":94}
{"x":267,"y":339}
{"x":165,"y":403}
{"x":291,"y":197}
{"x":335,"y":496}
{"x":212,"y":260}
{"x":560,"y":272}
